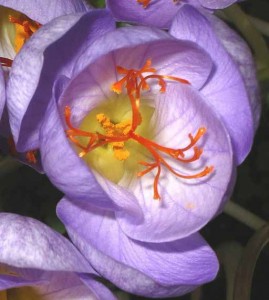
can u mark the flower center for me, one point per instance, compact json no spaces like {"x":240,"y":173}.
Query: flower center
{"x":145,"y":3}
{"x":118,"y":134}
{"x":21,"y":30}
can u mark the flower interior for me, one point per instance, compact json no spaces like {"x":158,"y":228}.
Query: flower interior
{"x":117,"y":137}
{"x":19,"y":28}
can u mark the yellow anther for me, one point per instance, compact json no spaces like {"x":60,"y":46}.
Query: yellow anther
{"x":116,"y":130}
{"x":121,"y":154}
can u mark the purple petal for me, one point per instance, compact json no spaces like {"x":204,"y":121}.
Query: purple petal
{"x":9,"y":281}
{"x":186,"y":205}
{"x":216,"y":4}
{"x":225,"y":91}
{"x":117,"y":39}
{"x":149,"y":269}
{"x":47,"y":54}
{"x":56,"y":285}
{"x":132,"y":11}
{"x":99,"y":290}
{"x":242,"y":55}
{"x":44,"y":11}
{"x":27,"y":243}
{"x":63,"y":285}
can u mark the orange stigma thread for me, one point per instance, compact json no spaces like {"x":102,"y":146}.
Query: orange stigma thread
{"x":145,"y":3}
{"x":31,"y":156}
{"x":116,"y":134}
{"x":25,"y":27}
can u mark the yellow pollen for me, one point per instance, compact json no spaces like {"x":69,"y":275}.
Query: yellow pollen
{"x":116,"y":130}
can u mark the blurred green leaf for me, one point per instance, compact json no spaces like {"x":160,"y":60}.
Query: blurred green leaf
{"x":97,"y":3}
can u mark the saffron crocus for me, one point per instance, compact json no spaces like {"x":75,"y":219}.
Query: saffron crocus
{"x":182,"y":112}
{"x":157,"y":13}
{"x":20,"y":19}
{"x":138,"y":138}
{"x":38,"y":263}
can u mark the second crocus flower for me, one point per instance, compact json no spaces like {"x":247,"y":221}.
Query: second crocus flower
{"x":38,"y":263}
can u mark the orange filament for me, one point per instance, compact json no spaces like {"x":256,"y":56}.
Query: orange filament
{"x":31,"y":156}
{"x":117,"y":134}
{"x":131,"y":82}
{"x":25,"y":27}
{"x":145,"y":3}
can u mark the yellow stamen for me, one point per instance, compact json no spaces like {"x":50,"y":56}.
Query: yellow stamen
{"x":116,"y":130}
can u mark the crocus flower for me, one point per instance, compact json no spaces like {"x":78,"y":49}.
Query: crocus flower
{"x":127,"y":102}
{"x":19,"y":20}
{"x":196,"y":96}
{"x":157,"y":13}
{"x":38,"y":263}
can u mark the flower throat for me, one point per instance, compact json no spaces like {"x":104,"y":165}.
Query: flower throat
{"x":134,"y":82}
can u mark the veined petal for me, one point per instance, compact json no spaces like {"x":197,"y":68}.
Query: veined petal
{"x":186,"y":205}
{"x":27,"y":243}
{"x":9,"y":281}
{"x":46,"y":55}
{"x":40,"y":285}
{"x":154,"y":270}
{"x":63,"y":285}
{"x":225,"y":92}
{"x":159,"y":13}
{"x":241,"y":54}
{"x":44,"y":11}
